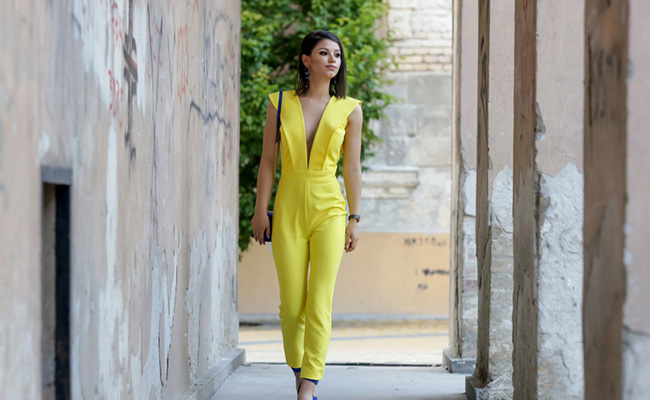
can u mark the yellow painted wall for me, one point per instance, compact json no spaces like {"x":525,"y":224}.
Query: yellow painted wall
{"x":389,"y":274}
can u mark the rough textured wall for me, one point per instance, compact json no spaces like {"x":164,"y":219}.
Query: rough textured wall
{"x":636,"y":317}
{"x":558,"y":162}
{"x":606,"y":41}
{"x":494,"y":199}
{"x":139,"y":99}
{"x":464,"y":278}
{"x":423,"y":33}
{"x":407,"y":186}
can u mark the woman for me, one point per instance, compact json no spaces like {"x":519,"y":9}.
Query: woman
{"x":318,"y":123}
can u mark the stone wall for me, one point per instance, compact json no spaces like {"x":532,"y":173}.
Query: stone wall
{"x":130,"y":106}
{"x":422,"y":30}
{"x":407,"y":187}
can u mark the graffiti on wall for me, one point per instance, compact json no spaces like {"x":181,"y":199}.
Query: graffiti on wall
{"x":185,"y":59}
{"x":427,"y":272}
{"x":108,"y":41}
{"x":424,"y":241}
{"x":131,"y":77}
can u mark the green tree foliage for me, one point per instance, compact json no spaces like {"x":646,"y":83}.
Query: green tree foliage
{"x":272,"y":31}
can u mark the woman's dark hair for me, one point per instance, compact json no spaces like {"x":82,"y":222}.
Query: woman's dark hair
{"x":338,"y":84}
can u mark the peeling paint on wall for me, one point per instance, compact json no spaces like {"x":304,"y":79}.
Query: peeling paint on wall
{"x":501,"y":205}
{"x":223,"y":282}
{"x":560,"y":283}
{"x":141,"y":38}
{"x":113,"y":329}
{"x":198,"y":264}
{"x":469,"y":193}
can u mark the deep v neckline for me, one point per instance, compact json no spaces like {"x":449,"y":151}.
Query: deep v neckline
{"x":304,"y":128}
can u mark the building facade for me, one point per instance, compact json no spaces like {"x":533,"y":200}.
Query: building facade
{"x":119,"y":135}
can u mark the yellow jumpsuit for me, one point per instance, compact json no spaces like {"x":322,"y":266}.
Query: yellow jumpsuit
{"x":309,"y":223}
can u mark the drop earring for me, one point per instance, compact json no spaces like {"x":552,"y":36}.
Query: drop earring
{"x":307,"y":75}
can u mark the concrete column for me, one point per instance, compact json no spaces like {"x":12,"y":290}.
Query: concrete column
{"x":492,"y":376}
{"x":461,"y":354}
{"x":636,"y":315}
{"x":616,"y":145}
{"x":548,"y":200}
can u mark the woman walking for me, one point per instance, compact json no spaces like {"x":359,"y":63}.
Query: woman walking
{"x":318,"y":124}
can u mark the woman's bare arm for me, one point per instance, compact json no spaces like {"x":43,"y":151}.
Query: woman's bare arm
{"x":352,"y":173}
{"x":265,"y":176}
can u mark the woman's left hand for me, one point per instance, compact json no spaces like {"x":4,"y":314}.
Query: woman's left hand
{"x":351,"y":235}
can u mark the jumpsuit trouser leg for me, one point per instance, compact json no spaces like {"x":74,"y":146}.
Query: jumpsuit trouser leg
{"x":306,"y":293}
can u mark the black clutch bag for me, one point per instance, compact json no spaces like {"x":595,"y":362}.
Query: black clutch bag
{"x":268,"y":238}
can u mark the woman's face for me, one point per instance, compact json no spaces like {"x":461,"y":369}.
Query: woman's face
{"x":324,"y":60}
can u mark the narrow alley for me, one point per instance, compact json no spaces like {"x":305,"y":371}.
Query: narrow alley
{"x":505,"y":199}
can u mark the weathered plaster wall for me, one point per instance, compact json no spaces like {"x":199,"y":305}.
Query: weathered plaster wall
{"x":636,"y":317}
{"x":558,"y":147}
{"x":140,"y":100}
{"x":494,"y":200}
{"x":464,"y":278}
{"x":548,"y":201}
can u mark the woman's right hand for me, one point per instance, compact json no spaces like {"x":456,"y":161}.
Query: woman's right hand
{"x":261,"y":226}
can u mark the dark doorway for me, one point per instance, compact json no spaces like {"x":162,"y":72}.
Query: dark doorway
{"x":55,"y":284}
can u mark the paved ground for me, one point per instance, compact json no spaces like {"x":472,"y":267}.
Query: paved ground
{"x":275,"y":382}
{"x":368,"y":342}
{"x":375,"y":346}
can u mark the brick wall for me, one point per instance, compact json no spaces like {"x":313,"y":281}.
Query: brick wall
{"x":422,"y":30}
